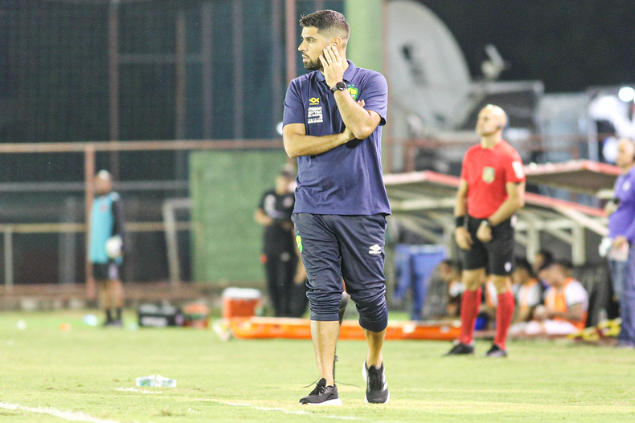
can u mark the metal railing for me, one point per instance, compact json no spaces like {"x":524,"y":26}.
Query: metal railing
{"x":89,"y":149}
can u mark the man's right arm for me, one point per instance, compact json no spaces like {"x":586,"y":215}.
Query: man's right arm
{"x":262,"y":218}
{"x":297,"y":143}
{"x":460,"y":207}
{"x":575,"y":312}
{"x":524,"y":315}
{"x":461,"y":235}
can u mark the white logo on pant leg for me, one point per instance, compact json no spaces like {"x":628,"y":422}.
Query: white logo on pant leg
{"x":508,"y":267}
{"x":375,"y":249}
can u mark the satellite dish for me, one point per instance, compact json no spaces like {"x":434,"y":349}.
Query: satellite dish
{"x":494,"y":65}
{"x":429,"y":79}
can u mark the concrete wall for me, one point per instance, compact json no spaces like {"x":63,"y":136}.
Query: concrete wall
{"x":225,"y":189}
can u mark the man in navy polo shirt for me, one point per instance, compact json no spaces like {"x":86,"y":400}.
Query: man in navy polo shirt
{"x":621,"y":211}
{"x":332,"y":124}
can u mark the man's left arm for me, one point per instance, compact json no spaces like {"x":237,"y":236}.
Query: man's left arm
{"x":629,"y":234}
{"x":575,"y":298}
{"x":119,"y":222}
{"x":361,"y":122}
{"x":575,"y":313}
{"x":515,"y":201}
{"x":514,"y":177}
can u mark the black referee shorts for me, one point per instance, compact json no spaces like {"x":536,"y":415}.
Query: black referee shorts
{"x":106,"y":271}
{"x":496,"y":256}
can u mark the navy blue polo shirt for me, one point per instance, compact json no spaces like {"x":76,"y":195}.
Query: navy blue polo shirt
{"x":346,"y":180}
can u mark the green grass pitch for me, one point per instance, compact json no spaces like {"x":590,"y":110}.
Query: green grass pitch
{"x":88,"y":374}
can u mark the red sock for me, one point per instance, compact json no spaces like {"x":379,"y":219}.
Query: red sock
{"x":469,"y":311}
{"x":504,"y":315}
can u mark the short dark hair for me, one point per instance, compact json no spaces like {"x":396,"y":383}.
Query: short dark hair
{"x":522,"y":263}
{"x":548,"y":255}
{"x":325,"y":20}
{"x":565,"y":264}
{"x":454,"y":265}
{"x":287,"y":171}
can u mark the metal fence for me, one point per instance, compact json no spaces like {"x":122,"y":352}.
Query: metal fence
{"x":43,"y":222}
{"x":74,"y":73}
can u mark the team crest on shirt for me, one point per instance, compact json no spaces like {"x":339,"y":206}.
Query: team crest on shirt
{"x":314,"y":101}
{"x":354,"y":92}
{"x":489,"y":173}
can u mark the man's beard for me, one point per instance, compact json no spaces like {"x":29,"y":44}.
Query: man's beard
{"x":312,"y":65}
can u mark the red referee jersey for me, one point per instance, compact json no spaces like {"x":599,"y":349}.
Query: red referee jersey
{"x":486,"y":171}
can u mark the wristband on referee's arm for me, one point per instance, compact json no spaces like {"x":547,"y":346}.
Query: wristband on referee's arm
{"x":460,"y":221}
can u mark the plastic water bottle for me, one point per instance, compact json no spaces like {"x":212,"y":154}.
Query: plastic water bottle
{"x":145,"y":381}
{"x":156,"y":381}
{"x":164,"y":382}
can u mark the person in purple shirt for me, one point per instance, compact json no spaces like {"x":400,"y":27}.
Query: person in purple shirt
{"x":621,"y":211}
{"x":333,"y":118}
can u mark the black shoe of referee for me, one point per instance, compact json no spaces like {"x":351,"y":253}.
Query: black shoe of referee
{"x":461,"y":349}
{"x":496,"y":352}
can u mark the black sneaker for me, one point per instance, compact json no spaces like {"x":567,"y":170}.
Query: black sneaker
{"x":376,"y":386}
{"x":113,"y":324}
{"x":496,"y":351}
{"x":461,"y":349}
{"x":322,"y":395}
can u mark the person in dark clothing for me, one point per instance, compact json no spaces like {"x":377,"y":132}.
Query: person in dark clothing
{"x":285,"y":281}
{"x":332,"y":124}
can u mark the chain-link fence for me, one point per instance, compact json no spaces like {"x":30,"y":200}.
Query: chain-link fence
{"x":125,"y":70}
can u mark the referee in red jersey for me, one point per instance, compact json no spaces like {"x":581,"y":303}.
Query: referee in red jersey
{"x":491,"y":190}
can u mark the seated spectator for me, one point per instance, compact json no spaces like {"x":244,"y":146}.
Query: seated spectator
{"x":566,"y":304}
{"x":543,"y":259}
{"x":450,"y":273}
{"x":527,"y":290}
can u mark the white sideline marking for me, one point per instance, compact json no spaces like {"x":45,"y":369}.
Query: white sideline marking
{"x":143,"y":391}
{"x":66,"y":415}
{"x":286,"y":411}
